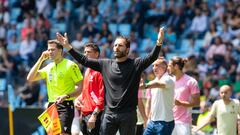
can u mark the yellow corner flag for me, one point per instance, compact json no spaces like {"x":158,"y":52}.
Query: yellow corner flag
{"x":50,"y":120}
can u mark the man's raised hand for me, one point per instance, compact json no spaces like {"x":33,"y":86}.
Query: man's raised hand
{"x":45,"y":55}
{"x":160,"y":36}
{"x":63,"y":40}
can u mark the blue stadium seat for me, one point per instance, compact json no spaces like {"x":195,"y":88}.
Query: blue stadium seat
{"x":184,"y":45}
{"x":15,"y":12}
{"x":3,"y":84}
{"x":198,"y":45}
{"x":145,"y":43}
{"x":113,"y":28}
{"x":40,"y":131}
{"x":124,"y":29}
{"x":57,"y":27}
{"x":170,"y":55}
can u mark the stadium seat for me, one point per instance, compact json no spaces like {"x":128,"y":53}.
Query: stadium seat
{"x":198,"y":45}
{"x":185,"y":45}
{"x":145,"y":44}
{"x":58,"y":27}
{"x":3,"y":84}
{"x":124,"y":29}
{"x":15,"y":12}
{"x":113,"y":28}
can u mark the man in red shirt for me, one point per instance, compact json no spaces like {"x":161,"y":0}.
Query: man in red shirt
{"x":91,"y":101}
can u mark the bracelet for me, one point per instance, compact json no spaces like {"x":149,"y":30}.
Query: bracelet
{"x":95,"y":113}
{"x":67,"y":96}
{"x":159,"y":43}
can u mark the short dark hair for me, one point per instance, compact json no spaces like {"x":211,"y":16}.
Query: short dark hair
{"x":126,"y":39}
{"x":179,"y":61}
{"x":93,"y":46}
{"x":54,"y":41}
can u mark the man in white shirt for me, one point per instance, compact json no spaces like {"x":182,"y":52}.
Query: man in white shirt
{"x":161,"y":120}
{"x":225,"y":110}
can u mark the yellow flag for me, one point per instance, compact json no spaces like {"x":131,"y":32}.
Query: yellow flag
{"x":50,"y":120}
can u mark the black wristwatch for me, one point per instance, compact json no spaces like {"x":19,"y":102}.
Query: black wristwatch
{"x":95,"y":113}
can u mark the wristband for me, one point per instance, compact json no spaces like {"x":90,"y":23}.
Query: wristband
{"x":95,"y":113}
{"x":67,"y":96}
{"x":159,"y":43}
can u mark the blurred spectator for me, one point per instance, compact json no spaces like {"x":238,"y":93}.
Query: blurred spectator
{"x":234,"y":22}
{"x":43,"y":7}
{"x":212,"y":66}
{"x":4,"y":14}
{"x":218,"y":11}
{"x":3,"y":30}
{"x":94,"y":18}
{"x":105,"y":33}
{"x":29,"y":93}
{"x":5,"y":64}
{"x":62,"y":11}
{"x":139,"y":9}
{"x":236,"y":43}
{"x":177,"y":21}
{"x":134,"y":43}
{"x":170,"y":38}
{"x":89,"y":30}
{"x":225,"y":33}
{"x":123,"y":11}
{"x":214,"y":93}
{"x":217,"y":51}
{"x":42,"y":25}
{"x":202,"y":68}
{"x":13,"y":46}
{"x":27,"y":48}
{"x":27,"y":29}
{"x":78,"y":42}
{"x":199,"y":24}
{"x":156,"y":12}
{"x":12,"y":31}
{"x":29,"y":20}
{"x":27,"y":6}
{"x":104,"y":8}
{"x":209,"y":35}
{"x":205,"y":108}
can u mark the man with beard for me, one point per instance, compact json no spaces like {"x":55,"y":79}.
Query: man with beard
{"x":121,"y":77}
{"x":64,"y":82}
{"x":226,"y":111}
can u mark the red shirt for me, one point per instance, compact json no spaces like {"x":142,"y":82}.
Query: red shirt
{"x":92,"y":93}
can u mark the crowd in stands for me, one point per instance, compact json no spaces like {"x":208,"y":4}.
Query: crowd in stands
{"x":207,"y":32}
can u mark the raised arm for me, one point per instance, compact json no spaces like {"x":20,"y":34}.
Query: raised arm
{"x":34,"y":75}
{"x":91,"y":63}
{"x":151,"y":57}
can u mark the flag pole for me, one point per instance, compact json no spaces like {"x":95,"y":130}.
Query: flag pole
{"x":10,"y":114}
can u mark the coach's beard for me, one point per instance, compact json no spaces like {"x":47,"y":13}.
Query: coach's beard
{"x":120,"y":54}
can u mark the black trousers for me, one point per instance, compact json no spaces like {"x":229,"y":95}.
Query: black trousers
{"x":124,"y":122}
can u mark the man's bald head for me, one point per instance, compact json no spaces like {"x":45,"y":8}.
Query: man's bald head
{"x":225,"y":88}
{"x":225,"y":92}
